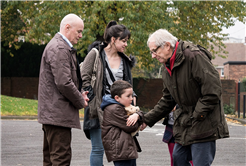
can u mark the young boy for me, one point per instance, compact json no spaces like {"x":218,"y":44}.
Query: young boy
{"x":120,"y":147}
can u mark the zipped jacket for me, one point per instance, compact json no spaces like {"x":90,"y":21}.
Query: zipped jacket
{"x":194,"y":84}
{"x":59,"y":99}
{"x":116,"y":136}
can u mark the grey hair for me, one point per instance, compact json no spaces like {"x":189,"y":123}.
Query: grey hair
{"x":161,"y":36}
{"x":69,"y":19}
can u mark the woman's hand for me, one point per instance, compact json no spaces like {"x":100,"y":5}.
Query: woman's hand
{"x":132,"y":119}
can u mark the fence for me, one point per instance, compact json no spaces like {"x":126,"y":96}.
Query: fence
{"x":149,"y":91}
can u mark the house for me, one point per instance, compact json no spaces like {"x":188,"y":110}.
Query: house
{"x":234,"y":66}
{"x":232,"y":70}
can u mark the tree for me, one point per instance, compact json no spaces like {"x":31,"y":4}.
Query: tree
{"x":12,"y":26}
{"x":198,"y":22}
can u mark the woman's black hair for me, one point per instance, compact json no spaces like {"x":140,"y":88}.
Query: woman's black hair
{"x":115,"y":30}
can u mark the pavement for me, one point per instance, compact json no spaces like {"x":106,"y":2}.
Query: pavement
{"x":21,"y":144}
{"x":239,"y":120}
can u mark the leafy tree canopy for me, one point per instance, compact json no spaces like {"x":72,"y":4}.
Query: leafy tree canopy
{"x":12,"y":25}
{"x":200,"y":22}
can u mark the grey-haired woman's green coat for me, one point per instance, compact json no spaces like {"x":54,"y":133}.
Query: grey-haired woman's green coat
{"x":195,"y":85}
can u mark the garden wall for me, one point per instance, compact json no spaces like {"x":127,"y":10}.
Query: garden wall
{"x":149,"y":91}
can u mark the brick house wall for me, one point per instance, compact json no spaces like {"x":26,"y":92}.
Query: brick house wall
{"x":236,"y":52}
{"x":229,"y":92}
{"x":235,"y":70}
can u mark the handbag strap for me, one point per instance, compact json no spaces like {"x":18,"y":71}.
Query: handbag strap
{"x":96,"y":60}
{"x":93,"y":77}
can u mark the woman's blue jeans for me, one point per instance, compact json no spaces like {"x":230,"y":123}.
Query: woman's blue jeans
{"x":201,"y":154}
{"x":97,"y":151}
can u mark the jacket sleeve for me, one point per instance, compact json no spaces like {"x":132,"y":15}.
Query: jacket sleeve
{"x":210,"y":86}
{"x":87,"y":68}
{"x":119,"y":119}
{"x":161,"y":109}
{"x":64,"y":70}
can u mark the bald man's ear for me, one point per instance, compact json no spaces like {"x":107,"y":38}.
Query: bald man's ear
{"x":67,"y":27}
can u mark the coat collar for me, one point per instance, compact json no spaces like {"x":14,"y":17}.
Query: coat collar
{"x":64,"y":44}
{"x":179,"y":55}
{"x":64,"y":38}
{"x":172,"y":60}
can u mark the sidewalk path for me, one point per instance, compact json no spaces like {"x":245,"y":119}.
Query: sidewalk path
{"x":22,"y":145}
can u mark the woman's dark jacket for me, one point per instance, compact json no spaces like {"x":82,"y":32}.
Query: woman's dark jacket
{"x":94,"y":111}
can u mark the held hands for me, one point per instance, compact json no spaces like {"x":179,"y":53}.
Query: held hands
{"x":132,"y":119}
{"x":84,"y":94}
{"x":143,"y":126}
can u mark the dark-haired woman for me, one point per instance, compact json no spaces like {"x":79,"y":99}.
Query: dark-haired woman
{"x":112,"y":65}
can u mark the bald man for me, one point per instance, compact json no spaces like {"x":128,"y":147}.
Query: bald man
{"x":59,"y":93}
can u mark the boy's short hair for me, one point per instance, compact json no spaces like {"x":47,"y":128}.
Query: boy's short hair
{"x":119,"y":87}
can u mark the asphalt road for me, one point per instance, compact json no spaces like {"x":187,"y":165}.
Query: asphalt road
{"x":21,"y":145}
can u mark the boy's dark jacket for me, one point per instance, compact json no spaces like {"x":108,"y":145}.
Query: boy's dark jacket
{"x":116,"y":136}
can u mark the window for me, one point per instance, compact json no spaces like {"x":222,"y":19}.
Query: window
{"x":222,"y":72}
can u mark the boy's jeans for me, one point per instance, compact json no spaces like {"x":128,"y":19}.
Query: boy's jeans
{"x":97,"y":151}
{"x":131,"y":162}
{"x":202,"y":154}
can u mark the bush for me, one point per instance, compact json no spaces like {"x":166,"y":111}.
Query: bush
{"x":243,"y":87}
{"x":228,"y":109}
{"x":23,"y":62}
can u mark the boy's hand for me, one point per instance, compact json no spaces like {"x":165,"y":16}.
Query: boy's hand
{"x":132,"y":119}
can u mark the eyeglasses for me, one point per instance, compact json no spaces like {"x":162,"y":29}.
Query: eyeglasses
{"x":154,"y":50}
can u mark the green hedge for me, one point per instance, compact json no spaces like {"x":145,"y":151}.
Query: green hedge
{"x":22,"y":62}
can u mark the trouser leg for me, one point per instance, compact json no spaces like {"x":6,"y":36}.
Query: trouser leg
{"x":203,"y":153}
{"x":181,"y":155}
{"x":170,"y":148}
{"x":97,"y":151}
{"x":46,"y":151}
{"x":131,"y":162}
{"x":59,"y":144}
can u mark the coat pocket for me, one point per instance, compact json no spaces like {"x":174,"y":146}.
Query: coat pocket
{"x":201,"y":129}
{"x":182,"y":118}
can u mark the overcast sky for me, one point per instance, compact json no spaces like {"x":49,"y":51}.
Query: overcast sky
{"x":238,"y":31}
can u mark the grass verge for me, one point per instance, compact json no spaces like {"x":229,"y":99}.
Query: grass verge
{"x":13,"y":106}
